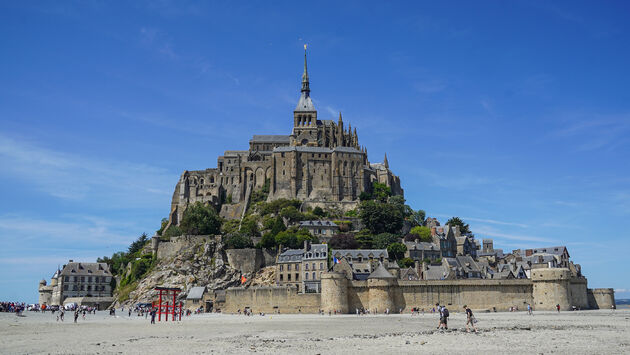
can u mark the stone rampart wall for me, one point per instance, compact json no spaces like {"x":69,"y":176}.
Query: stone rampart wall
{"x":172,"y":247}
{"x":250,"y":260}
{"x":478,"y":294}
{"x":272,"y":299}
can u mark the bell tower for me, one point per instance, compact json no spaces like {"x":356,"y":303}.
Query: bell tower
{"x":305,"y":115}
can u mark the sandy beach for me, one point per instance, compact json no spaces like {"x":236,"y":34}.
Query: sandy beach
{"x":583,"y":332}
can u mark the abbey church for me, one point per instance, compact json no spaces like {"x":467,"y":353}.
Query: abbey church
{"x":320,"y":163}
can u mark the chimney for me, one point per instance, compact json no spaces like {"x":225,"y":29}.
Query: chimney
{"x":70,"y":260}
{"x":305,"y":245}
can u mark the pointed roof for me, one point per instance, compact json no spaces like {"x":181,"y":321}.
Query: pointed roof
{"x":305,"y":104}
{"x":385,"y":162}
{"x":380,"y":273}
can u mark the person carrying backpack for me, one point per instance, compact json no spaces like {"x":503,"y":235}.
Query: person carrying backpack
{"x":470,"y":319}
{"x":445,"y":316}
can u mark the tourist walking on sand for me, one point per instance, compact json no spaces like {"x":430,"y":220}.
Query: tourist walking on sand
{"x":558,"y":308}
{"x":470,"y":319}
{"x":529,"y":310}
{"x":76,"y":315}
{"x":153,"y":316}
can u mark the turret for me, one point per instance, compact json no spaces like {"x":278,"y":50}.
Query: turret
{"x":551,"y":288}
{"x":334,"y":295}
{"x":380,"y":290}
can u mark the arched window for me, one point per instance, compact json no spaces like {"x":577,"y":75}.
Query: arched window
{"x":314,"y":277}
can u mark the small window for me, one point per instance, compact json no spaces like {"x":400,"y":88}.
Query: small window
{"x":288,"y":277}
{"x":314,"y":277}
{"x":306,"y":276}
{"x":289,"y":267}
{"x":321,"y":266}
{"x":297,"y":267}
{"x":281,"y":267}
{"x":281,"y":277}
{"x":306,"y":267}
{"x":297,"y":277}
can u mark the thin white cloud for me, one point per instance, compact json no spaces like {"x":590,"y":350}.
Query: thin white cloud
{"x":71,"y":176}
{"x":491,"y":232}
{"x":492,"y":221}
{"x":73,"y":231}
{"x":622,"y":290}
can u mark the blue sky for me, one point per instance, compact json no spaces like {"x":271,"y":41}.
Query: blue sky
{"x":514,"y":116}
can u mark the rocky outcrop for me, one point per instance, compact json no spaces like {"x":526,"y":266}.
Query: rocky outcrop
{"x":202,"y":263}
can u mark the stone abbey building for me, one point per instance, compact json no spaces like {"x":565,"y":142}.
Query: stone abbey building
{"x":321,"y":163}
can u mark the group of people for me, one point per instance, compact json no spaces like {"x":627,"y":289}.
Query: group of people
{"x":12,"y":307}
{"x":444,"y":314}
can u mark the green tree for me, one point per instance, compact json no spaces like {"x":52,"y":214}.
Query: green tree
{"x":291,"y":213}
{"x":287,"y":239}
{"x":304,"y":235}
{"x":380,"y":192}
{"x":237,"y":241}
{"x":268,"y":241}
{"x":396,"y":251}
{"x":249,"y":227}
{"x":200,"y":219}
{"x":417,"y":218}
{"x":382,"y":240}
{"x":406,"y":262}
{"x":278,"y":226}
{"x":343,"y":241}
{"x":364,"y":196}
{"x":318,"y":211}
{"x":464,"y":228}
{"x":163,"y":225}
{"x":380,"y":217}
{"x":399,"y":202}
{"x":365,"y":239}
{"x":172,"y":231}
{"x":138,"y":244}
{"x":422,"y":233}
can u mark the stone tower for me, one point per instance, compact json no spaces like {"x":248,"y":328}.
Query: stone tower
{"x":380,"y":290}
{"x":551,"y":287}
{"x":305,"y":116}
{"x":334,"y":295}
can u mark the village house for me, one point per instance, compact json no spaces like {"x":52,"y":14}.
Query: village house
{"x":323,"y":230}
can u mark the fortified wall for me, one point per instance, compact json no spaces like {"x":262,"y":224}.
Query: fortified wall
{"x":546,"y":289}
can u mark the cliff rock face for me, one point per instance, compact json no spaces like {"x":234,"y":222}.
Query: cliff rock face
{"x":201,"y":263}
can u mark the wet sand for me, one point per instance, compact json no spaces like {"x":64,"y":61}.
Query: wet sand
{"x":582,"y":332}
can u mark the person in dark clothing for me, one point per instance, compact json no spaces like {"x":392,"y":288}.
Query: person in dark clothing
{"x":470,"y":319}
{"x":153,"y":316}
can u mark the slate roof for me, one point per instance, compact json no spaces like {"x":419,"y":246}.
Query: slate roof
{"x":421,"y":246}
{"x":291,"y":255}
{"x":196,"y":293}
{"x":347,"y":150}
{"x":270,"y":138}
{"x":365,"y":253}
{"x":322,"y":249}
{"x":302,"y":149}
{"x":559,"y":250}
{"x":317,"y":223}
{"x":305,"y":104}
{"x":89,"y":269}
{"x":435,"y":272}
{"x":381,"y":273}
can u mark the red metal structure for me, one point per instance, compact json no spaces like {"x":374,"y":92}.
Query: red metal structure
{"x":168,"y":308}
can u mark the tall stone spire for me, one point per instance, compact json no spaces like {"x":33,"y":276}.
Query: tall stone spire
{"x":305,"y":104}
{"x":305,"y":84}
{"x":385,"y":162}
